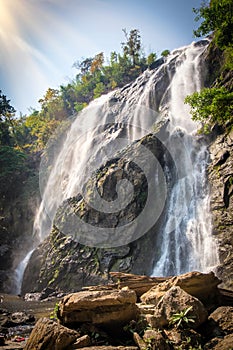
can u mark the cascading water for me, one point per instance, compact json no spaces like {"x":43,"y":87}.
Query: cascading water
{"x":19,"y":271}
{"x":185,"y":242}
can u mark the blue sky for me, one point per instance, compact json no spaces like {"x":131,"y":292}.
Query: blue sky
{"x":41,"y":39}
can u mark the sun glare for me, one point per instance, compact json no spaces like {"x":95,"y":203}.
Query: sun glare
{"x":6,"y":22}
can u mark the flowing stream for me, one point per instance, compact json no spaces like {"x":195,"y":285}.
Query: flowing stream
{"x":115,"y":121}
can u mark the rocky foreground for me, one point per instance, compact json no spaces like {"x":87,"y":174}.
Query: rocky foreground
{"x":137,"y":312}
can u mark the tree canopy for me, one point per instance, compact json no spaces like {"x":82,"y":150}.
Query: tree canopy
{"x":6,"y":120}
{"x":217,"y":17}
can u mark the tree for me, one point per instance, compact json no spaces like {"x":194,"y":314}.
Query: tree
{"x":151,"y":58}
{"x":165,"y":53}
{"x":7,"y":113}
{"x":218,"y":18}
{"x":53,"y":106}
{"x":40,"y":129}
{"x":210,"y":106}
{"x":97,"y":62}
{"x":13,"y":169}
{"x":99,"y":90}
{"x":84,"y":66}
{"x":133,"y":45}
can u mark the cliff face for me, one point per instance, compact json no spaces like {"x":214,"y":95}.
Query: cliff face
{"x":220,"y":174}
{"x":17,"y":212}
{"x":62,"y":263}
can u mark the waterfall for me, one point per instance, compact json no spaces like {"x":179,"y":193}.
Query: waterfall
{"x":112,"y":123}
{"x":19,"y":271}
{"x":186,"y":237}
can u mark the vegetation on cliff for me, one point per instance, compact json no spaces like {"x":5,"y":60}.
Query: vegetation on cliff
{"x":215,"y":105}
{"x":211,"y":106}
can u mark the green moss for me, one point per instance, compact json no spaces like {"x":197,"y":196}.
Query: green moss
{"x":55,"y":276}
{"x":217,"y":170}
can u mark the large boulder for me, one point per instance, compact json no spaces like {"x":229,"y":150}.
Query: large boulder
{"x":200,"y":285}
{"x":174,"y":301}
{"x":222,"y":318}
{"x":155,"y":340}
{"x":183,"y":338}
{"x":220,"y":343}
{"x":152,"y":339}
{"x":105,"y":307}
{"x":49,"y":335}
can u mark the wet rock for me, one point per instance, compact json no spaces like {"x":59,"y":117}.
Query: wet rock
{"x":200,"y":285}
{"x":107,"y":308}
{"x":49,"y":335}
{"x":32,"y":296}
{"x":176,"y":300}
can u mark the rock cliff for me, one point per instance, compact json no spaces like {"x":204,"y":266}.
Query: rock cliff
{"x":16,"y":226}
{"x":62,"y":263}
{"x":220,"y":174}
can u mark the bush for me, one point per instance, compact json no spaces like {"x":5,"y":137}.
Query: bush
{"x":210,"y":106}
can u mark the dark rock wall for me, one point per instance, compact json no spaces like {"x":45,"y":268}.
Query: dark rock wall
{"x":63,"y":264}
{"x":220,"y":176}
{"x":16,"y":227}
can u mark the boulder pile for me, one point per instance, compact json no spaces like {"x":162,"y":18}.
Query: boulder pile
{"x":184,"y":312}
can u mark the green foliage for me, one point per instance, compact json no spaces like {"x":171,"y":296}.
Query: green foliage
{"x":151,"y":59}
{"x":6,"y":120}
{"x":228,"y":56}
{"x":78,"y":106}
{"x":53,"y":106}
{"x":40,"y":129}
{"x":138,"y":326}
{"x":165,"y":53}
{"x":133,"y":45}
{"x":210,"y":106}
{"x":182,"y":319}
{"x":54,"y":313}
{"x":13,"y":170}
{"x":99,"y":90}
{"x":218,"y":18}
